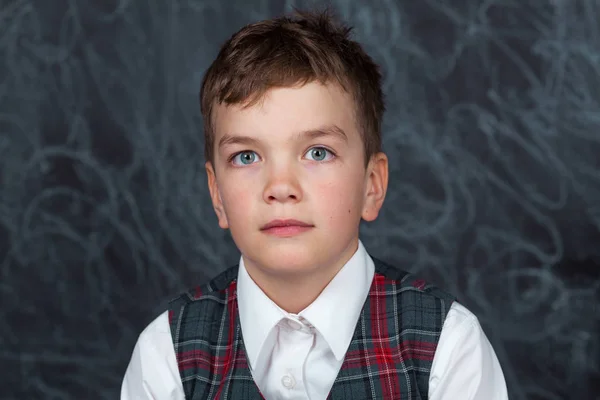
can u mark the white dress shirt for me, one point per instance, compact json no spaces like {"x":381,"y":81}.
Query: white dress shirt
{"x":299,"y":356}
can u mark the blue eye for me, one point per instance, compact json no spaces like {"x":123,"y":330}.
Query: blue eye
{"x":319,"y":153}
{"x":247,"y":157}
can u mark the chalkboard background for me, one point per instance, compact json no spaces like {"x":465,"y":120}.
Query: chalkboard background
{"x":493,"y":137}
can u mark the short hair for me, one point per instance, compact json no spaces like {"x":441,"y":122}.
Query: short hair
{"x":288,"y":51}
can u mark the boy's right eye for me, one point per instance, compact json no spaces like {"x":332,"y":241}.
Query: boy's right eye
{"x":245,"y":157}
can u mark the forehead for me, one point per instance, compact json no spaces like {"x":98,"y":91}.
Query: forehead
{"x":289,"y":110}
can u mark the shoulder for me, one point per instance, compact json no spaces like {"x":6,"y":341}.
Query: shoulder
{"x":408,"y":284}
{"x":462,"y":324}
{"x":196,"y":307}
{"x":155,"y":340}
{"x":155,"y":331}
{"x":465,"y":363}
{"x":463,"y":316}
{"x":215,"y":290}
{"x":153,"y":368}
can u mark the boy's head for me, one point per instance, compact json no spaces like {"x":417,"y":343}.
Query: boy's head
{"x":292,"y":116}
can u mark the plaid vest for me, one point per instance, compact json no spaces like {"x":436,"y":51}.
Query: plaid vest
{"x":389,"y":357}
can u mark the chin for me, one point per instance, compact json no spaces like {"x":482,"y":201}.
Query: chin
{"x":288,"y":257}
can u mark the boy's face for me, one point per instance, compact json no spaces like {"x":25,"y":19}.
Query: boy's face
{"x":302,"y":159}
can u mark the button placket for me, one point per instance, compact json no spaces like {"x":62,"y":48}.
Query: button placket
{"x":295,"y":338}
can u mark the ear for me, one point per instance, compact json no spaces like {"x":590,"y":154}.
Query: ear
{"x":215,"y":196}
{"x":375,"y":186}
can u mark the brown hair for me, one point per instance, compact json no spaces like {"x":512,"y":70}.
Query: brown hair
{"x":289,"y":51}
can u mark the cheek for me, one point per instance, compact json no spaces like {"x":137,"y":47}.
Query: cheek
{"x":339,"y":199}
{"x":235,"y":202}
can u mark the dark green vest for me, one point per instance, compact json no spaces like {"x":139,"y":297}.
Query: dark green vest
{"x":389,"y":357}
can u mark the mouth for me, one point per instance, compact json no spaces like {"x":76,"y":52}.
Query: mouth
{"x":286,"y":227}
{"x":283,"y":223}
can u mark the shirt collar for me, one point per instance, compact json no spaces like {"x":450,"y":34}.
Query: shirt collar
{"x":258,"y":314}
{"x":333,"y":314}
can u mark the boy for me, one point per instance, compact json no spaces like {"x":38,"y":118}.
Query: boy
{"x":292,"y":110}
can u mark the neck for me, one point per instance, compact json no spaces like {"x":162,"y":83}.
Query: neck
{"x":293,"y":292}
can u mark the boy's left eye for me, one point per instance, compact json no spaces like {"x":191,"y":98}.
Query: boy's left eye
{"x":319,"y":153}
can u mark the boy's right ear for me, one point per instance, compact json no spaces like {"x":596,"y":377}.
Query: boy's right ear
{"x":215,"y":196}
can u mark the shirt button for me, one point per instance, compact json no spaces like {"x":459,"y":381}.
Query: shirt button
{"x":288,"y":381}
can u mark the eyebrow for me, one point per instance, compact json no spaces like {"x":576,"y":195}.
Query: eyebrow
{"x":330,"y":130}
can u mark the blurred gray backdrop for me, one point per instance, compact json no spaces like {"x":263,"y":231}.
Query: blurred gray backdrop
{"x":493,"y":136}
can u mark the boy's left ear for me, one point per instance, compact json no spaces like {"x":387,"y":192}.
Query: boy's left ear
{"x":376,"y":186}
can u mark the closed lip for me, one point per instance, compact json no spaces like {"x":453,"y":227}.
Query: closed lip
{"x":276,"y":223}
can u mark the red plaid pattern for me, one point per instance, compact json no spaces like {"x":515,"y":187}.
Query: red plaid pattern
{"x":389,"y":357}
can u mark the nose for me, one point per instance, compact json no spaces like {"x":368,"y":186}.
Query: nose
{"x":282,"y":186}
